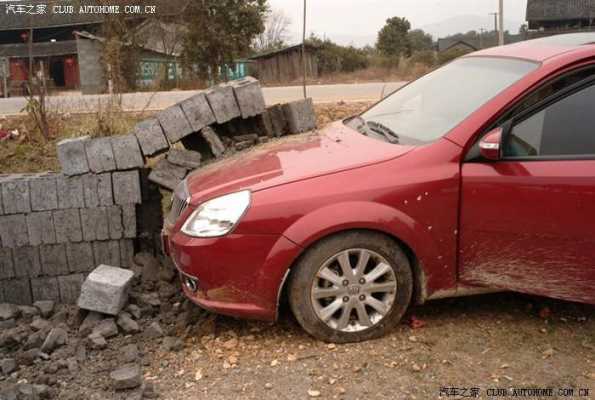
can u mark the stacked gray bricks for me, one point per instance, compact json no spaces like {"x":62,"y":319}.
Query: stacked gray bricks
{"x":56,"y":228}
{"x":235,"y":104}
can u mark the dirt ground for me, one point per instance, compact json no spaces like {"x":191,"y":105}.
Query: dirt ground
{"x":492,"y":341}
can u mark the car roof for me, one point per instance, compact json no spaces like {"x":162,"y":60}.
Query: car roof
{"x":541,"y":49}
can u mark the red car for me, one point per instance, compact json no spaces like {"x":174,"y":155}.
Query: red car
{"x":477,"y":177}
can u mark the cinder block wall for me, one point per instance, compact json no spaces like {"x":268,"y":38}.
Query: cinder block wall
{"x":57,"y":227}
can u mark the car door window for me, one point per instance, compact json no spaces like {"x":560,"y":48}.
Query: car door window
{"x":564,"y":128}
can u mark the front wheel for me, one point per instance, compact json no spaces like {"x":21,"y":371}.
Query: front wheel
{"x":351,"y":287}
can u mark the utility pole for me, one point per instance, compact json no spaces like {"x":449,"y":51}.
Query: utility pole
{"x":304,"y":63}
{"x":501,"y":33}
{"x":495,"y":14}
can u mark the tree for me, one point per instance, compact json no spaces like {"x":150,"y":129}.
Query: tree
{"x":392,"y":38}
{"x":218,"y":32}
{"x":275,"y":33}
{"x":419,"y":40}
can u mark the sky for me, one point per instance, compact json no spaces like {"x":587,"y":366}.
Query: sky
{"x":358,"y":21}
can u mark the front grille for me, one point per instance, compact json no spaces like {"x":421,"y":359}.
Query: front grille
{"x":179,"y":202}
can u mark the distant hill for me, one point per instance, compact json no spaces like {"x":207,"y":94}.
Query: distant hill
{"x":465,"y":23}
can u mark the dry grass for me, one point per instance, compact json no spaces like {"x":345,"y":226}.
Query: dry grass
{"x":31,"y":153}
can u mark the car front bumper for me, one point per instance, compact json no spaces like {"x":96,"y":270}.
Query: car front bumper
{"x":238,"y":274}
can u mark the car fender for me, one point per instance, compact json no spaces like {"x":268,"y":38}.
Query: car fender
{"x":350,"y":215}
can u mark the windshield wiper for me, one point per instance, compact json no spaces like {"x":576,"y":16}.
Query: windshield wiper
{"x":384,"y":130}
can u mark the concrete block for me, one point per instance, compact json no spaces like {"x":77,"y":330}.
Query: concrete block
{"x":127,"y":187}
{"x":68,"y":226}
{"x":223,"y":103}
{"x":45,"y":289}
{"x":264,"y":124}
{"x":248,"y":96}
{"x":6,"y":264}
{"x":198,"y":112}
{"x":80,"y":257}
{"x":53,"y":259}
{"x":127,"y":152}
{"x":69,"y":287}
{"x":100,"y":155}
{"x":278,"y":120}
{"x":13,"y":231}
{"x":94,"y":224}
{"x":167,"y":174}
{"x":16,"y":197}
{"x":40,"y":226}
{"x":107,"y":252}
{"x":72,"y":156}
{"x":129,"y":221}
{"x":215,"y":143}
{"x":300,"y":116}
{"x":97,"y":189}
{"x":114,"y":221}
{"x":150,"y":137}
{"x":174,"y":123}
{"x":106,"y":290}
{"x":27,"y":262}
{"x":184,"y":158}
{"x":44,"y":192}
{"x":17,"y":291}
{"x":70,"y":192}
{"x":126,"y":253}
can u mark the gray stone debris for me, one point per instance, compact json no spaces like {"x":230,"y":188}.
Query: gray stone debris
{"x":215,"y":143}
{"x":97,"y":342}
{"x":90,"y":322}
{"x":134,"y":310}
{"x":28,"y":311}
{"x":8,"y":311}
{"x":150,"y":136}
{"x":40,"y":324}
{"x":171,"y":343}
{"x":56,"y":338}
{"x":167,"y":174}
{"x":126,"y":377}
{"x":8,"y":366}
{"x":154,"y":331}
{"x":106,"y":290}
{"x":278,"y":120}
{"x":129,"y":353}
{"x":45,"y":307}
{"x":127,"y":324}
{"x":184,"y":158}
{"x":72,"y":156}
{"x":106,"y":328}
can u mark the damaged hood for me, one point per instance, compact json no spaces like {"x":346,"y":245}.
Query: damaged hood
{"x":293,"y":158}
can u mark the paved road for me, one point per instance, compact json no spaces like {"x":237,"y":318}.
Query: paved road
{"x":161,"y":100}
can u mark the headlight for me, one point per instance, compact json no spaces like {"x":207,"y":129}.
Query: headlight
{"x":218,"y":216}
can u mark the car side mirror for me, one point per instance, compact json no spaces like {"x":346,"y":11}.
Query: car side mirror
{"x":489,"y":146}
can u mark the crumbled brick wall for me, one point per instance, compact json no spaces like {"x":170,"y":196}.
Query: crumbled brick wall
{"x":105,"y":204}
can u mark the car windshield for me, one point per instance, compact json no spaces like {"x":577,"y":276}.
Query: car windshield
{"x":428,"y":108}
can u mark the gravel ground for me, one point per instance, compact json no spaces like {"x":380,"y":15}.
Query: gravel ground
{"x":495,"y":341}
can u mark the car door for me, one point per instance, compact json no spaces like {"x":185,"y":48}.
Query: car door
{"x":528,"y":220}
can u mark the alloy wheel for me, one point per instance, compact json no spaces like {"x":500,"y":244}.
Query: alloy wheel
{"x":354,"y":290}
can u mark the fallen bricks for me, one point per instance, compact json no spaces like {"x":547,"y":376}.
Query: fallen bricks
{"x":106,"y":290}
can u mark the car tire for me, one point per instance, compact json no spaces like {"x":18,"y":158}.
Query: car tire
{"x":315,"y":276}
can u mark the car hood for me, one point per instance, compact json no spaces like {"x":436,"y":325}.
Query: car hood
{"x":293,"y":158}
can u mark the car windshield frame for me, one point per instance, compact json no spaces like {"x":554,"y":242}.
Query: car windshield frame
{"x":434,"y":110}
